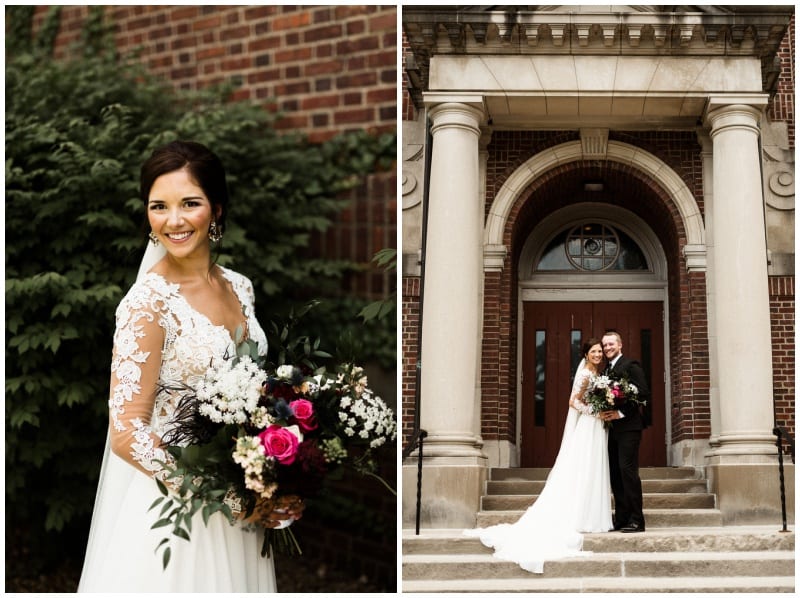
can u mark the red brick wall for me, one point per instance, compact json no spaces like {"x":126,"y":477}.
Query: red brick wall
{"x":782,"y":309}
{"x":410,"y":331}
{"x":330,"y":68}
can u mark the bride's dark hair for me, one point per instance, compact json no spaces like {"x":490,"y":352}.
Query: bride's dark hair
{"x":589,"y":344}
{"x":203,"y":165}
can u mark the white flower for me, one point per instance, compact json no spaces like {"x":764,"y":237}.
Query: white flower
{"x":284,"y":372}
{"x":363,"y":414}
{"x":261,"y":418}
{"x":230,"y":392}
{"x":249,"y":453}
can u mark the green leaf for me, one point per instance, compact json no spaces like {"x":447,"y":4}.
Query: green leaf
{"x":161,"y":487}
{"x":161,"y":523}
{"x":181,"y":533}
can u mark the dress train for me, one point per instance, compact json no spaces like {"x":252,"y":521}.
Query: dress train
{"x":576,"y":498}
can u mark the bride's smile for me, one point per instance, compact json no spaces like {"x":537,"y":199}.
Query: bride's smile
{"x":179,"y":237}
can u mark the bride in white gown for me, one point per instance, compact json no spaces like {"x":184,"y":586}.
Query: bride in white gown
{"x":178,"y":317}
{"x":577,"y":495}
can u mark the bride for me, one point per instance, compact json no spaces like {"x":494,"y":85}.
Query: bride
{"x":181,"y":314}
{"x":577,"y":495}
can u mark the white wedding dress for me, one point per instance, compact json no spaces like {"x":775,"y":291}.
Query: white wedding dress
{"x":121,"y":555}
{"x":576,"y":497}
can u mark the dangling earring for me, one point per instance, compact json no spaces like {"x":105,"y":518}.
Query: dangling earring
{"x":153,"y":238}
{"x":214,"y":233}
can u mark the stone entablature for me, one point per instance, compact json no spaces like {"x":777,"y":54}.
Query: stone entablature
{"x":572,"y":32}
{"x":520,"y":31}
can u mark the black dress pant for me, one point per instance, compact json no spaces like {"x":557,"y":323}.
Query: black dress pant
{"x":623,"y":452}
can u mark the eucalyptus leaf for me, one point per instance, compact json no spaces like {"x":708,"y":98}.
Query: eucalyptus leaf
{"x":161,"y":523}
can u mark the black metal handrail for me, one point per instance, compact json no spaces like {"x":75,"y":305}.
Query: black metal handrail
{"x":782,"y":433}
{"x":416,"y":442}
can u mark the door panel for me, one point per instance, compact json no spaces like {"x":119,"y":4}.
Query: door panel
{"x":553,"y":333}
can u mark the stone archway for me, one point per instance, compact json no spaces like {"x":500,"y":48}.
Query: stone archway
{"x":615,"y":151}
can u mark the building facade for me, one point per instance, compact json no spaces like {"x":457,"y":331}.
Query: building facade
{"x":575,"y":169}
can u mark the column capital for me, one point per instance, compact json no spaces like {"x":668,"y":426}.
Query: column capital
{"x":756,"y":100}
{"x":741,"y":111}
{"x":456,"y":114}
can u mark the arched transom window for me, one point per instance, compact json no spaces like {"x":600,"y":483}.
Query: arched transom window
{"x":592,"y":247}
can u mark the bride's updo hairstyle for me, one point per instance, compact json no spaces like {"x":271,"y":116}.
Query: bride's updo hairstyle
{"x":203,"y":166}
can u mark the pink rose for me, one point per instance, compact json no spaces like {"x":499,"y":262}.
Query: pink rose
{"x":616,"y":391}
{"x":304,"y":414}
{"x":281,"y":443}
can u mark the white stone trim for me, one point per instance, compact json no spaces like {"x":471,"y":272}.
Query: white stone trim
{"x":623,"y":153}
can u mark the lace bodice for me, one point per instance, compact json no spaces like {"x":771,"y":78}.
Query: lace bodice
{"x":161,"y":340}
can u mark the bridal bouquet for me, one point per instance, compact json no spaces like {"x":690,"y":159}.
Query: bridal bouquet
{"x":607,"y":394}
{"x":246,"y":435}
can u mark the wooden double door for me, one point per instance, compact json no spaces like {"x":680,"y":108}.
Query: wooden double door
{"x":553,"y":334}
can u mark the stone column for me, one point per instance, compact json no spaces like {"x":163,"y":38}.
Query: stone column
{"x":742,"y":467}
{"x":454,"y":466}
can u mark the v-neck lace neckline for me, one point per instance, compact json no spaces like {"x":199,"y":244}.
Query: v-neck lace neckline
{"x":229,"y":280}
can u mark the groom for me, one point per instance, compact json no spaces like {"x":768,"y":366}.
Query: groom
{"x":624,"y":437}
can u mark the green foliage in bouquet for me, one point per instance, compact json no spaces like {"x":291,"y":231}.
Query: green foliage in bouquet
{"x":76,"y":134}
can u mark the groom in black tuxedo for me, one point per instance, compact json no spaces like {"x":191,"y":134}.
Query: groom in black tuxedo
{"x":624,"y":437}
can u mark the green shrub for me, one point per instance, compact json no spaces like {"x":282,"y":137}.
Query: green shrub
{"x":77,"y":132}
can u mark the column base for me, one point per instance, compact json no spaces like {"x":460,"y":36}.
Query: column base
{"x":748,"y":493}
{"x":451,"y":493}
{"x":501,"y":453}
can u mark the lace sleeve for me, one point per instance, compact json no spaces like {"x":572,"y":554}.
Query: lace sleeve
{"x":579,"y":387}
{"x":135,"y":365}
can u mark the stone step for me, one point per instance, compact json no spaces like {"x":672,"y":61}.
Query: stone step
{"x":530,"y":487}
{"x":609,"y":564}
{"x":661,"y":500}
{"x":654,"y":518}
{"x":688,"y":539}
{"x":637,"y":585}
{"x":646,"y":473}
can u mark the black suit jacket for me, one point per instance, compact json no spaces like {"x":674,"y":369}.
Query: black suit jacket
{"x":637,"y":417}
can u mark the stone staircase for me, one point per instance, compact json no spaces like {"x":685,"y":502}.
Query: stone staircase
{"x":685,"y":548}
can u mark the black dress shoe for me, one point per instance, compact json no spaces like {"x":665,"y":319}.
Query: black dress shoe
{"x":632,"y":528}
